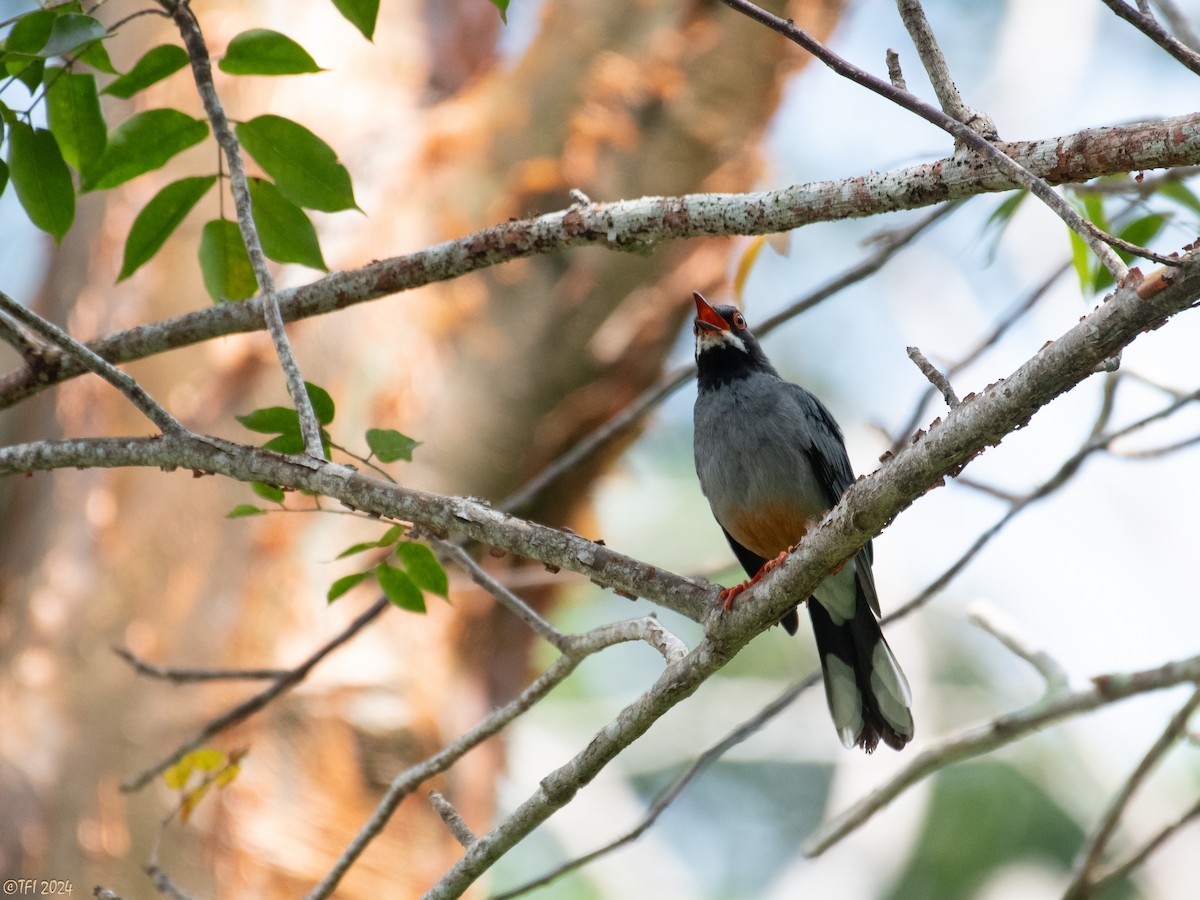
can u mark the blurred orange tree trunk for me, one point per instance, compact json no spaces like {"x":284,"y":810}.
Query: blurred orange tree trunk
{"x":497,"y":373}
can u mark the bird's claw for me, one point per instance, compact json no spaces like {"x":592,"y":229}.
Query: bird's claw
{"x":729,"y":594}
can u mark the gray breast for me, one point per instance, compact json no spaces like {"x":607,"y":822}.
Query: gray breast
{"x":753,"y":443}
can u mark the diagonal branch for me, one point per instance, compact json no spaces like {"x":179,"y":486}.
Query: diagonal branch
{"x":134,"y":392}
{"x":997,"y":733}
{"x":1149,"y":26}
{"x":1098,"y":242}
{"x":1089,"y":856}
{"x":640,"y":224}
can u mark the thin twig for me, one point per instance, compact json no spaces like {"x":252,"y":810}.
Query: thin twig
{"x":1004,"y":628}
{"x":193,"y":40}
{"x":507,"y":598}
{"x":1006,"y":321}
{"x":1089,"y":855}
{"x":1122,"y":868}
{"x":913,"y":16}
{"x":180,"y":676}
{"x":581,"y":646}
{"x":936,"y":378}
{"x":1179,"y":22}
{"x":895,"y":73}
{"x":1150,"y":27}
{"x":453,"y":820}
{"x":667,"y":795}
{"x":87,"y":358}
{"x":1095,"y":238}
{"x":253,"y":704}
{"x":17,"y":339}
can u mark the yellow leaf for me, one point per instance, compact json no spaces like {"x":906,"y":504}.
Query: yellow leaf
{"x":226,"y":775}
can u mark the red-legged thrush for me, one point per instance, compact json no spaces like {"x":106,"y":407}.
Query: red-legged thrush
{"x":772,"y":462}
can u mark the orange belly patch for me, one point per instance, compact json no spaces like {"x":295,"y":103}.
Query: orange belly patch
{"x":769,"y":530}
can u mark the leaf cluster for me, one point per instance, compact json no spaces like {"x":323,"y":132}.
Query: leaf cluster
{"x":58,"y":54}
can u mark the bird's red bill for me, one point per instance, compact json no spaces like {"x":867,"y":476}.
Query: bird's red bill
{"x":708,"y":315}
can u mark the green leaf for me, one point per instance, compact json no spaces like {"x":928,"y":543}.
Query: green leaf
{"x":399,"y":588}
{"x":322,"y":403}
{"x":155,"y":65}
{"x":361,"y":14}
{"x":390,"y":537}
{"x":160,"y":217}
{"x":27,"y":71}
{"x":73,"y":114}
{"x":71,"y":30}
{"x":304,"y":167}
{"x":3,"y":176}
{"x":270,"y":492}
{"x":224,"y":262}
{"x":1180,"y":193}
{"x":344,"y":584}
{"x":272,"y":420}
{"x":30,"y":32}
{"x":423,"y":568}
{"x":1080,"y":258}
{"x":41,"y":178}
{"x":1004,"y":212}
{"x":355,"y":549}
{"x":261,"y":51}
{"x":96,"y":56}
{"x":141,"y":144}
{"x":502,"y":5}
{"x":242,"y":510}
{"x":287,"y":444}
{"x":286,"y":233}
{"x":390,"y":445}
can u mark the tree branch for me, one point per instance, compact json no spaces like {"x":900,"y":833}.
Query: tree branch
{"x":1082,"y":880}
{"x":1148,"y":26}
{"x":640,"y":224}
{"x":1096,"y":239}
{"x":1004,"y":730}
{"x":193,"y":39}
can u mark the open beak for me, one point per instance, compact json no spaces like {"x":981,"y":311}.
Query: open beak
{"x":707,"y":318}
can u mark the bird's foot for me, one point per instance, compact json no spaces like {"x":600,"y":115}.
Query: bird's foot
{"x":729,"y":594}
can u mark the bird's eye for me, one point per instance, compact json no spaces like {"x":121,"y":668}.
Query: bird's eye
{"x":738,"y":321}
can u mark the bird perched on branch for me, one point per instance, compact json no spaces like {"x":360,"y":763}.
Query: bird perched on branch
{"x":772,"y":462}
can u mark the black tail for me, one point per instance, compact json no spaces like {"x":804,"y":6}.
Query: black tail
{"x":868,"y":694}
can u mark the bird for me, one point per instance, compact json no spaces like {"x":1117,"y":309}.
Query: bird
{"x":771,"y":461}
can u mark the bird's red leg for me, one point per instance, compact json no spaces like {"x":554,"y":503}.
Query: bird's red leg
{"x":728,"y":594}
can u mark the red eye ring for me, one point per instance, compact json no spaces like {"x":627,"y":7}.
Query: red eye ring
{"x":738,"y":321}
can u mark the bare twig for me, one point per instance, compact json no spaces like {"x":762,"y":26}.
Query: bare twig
{"x":1004,"y":628}
{"x":1089,"y":855}
{"x":989,"y":736}
{"x":507,"y":598}
{"x":87,"y":358}
{"x":1098,"y":241}
{"x":936,"y":378}
{"x":18,"y":339}
{"x":895,"y":73}
{"x":453,"y":820}
{"x":645,"y":222}
{"x":913,"y":16}
{"x":1179,"y":22}
{"x":668,"y":795}
{"x":178,"y":675}
{"x":581,"y":646}
{"x":253,"y":704}
{"x":1122,"y":868}
{"x":193,"y":39}
{"x":1149,"y":26}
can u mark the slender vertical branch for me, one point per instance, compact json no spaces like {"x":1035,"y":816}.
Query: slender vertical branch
{"x":193,"y":40}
